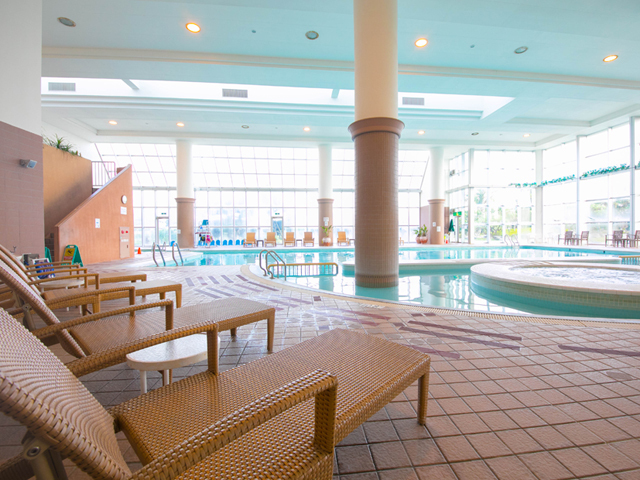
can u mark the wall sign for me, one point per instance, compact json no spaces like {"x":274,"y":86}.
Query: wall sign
{"x":97,"y":223}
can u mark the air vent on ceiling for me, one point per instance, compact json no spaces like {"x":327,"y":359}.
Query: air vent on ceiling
{"x":230,"y":92}
{"x":412,"y":101}
{"x":62,"y":87}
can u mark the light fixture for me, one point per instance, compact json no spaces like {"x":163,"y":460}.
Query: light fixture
{"x":421,"y":42}
{"x":520,"y":50}
{"x":245,"y":126}
{"x":475,"y":133}
{"x":420,"y":132}
{"x":526,"y":135}
{"x":67,"y":22}
{"x":307,"y":129}
{"x":180,"y":124}
{"x":193,"y":27}
{"x":112,"y":122}
{"x":610,"y":58}
{"x":28,"y":163}
{"x":311,"y":35}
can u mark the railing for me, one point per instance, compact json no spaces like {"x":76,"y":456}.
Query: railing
{"x":153,"y":254}
{"x":630,"y":259}
{"x":102,"y":172}
{"x":508,"y":240}
{"x":277,"y":258}
{"x":173,"y":253}
{"x":303,"y":269}
{"x":514,"y":240}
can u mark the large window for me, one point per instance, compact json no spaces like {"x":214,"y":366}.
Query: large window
{"x":559,"y":166}
{"x":240,"y":189}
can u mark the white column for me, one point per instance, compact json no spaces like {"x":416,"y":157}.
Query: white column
{"x":579,"y":149}
{"x":633,"y":139}
{"x":538,"y":219}
{"x":470,"y":203}
{"x":437,"y":177}
{"x":325,"y":189}
{"x":376,"y":58}
{"x":325,"y":194}
{"x":185,"y":194}
{"x":437,"y":223}
{"x":184,"y":168}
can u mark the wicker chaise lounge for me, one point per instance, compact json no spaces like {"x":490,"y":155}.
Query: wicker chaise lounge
{"x":64,"y":267}
{"x":209,"y":410}
{"x":70,"y":298}
{"x":85,"y":335}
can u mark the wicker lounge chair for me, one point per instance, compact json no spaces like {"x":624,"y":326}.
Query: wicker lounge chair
{"x":210,"y":406}
{"x":308,"y":239}
{"x":64,"y":420}
{"x":84,"y":336}
{"x":271,"y":239}
{"x":61,"y":268}
{"x":342,"y":239}
{"x":289,"y":239}
{"x":114,"y":291}
{"x":250,"y":240}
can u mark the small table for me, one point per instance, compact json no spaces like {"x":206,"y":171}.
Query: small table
{"x":298,"y":240}
{"x":167,"y":356}
{"x":258,"y":242}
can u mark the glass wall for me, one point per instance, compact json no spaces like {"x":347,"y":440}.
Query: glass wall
{"x":240,"y":189}
{"x":559,"y":166}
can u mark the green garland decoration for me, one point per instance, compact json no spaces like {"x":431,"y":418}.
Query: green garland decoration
{"x":591,"y":173}
{"x":604,"y":171}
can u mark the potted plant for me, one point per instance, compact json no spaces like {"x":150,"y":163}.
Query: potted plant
{"x":326,"y":240}
{"x":421,"y":234}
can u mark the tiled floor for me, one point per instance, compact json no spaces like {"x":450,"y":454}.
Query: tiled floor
{"x":508,"y":400}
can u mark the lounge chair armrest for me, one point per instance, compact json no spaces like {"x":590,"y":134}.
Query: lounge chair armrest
{"x":93,"y":293}
{"x":53,"y":329}
{"x":321,"y":385}
{"x":16,"y":468}
{"x":114,"y":356}
{"x":67,"y":277}
{"x":43,"y":268}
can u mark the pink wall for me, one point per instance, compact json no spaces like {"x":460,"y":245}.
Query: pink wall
{"x":78,"y":228}
{"x":21,"y":195}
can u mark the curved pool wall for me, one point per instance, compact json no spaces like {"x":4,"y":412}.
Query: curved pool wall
{"x":510,"y":285}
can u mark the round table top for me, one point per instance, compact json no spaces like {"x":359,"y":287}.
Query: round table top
{"x":169,"y":355}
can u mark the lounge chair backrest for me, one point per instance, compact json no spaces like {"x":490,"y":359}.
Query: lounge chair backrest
{"x":617,"y":234}
{"x":251,"y":237}
{"x":584,"y":235}
{"x":289,"y":237}
{"x":27,"y":295}
{"x":18,"y":268}
{"x":271,"y":237}
{"x":342,"y":236}
{"x":308,"y":236}
{"x":37,"y":390}
{"x":568,"y":234}
{"x":637,"y":235}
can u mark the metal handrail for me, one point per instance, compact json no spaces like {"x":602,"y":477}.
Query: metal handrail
{"x":278,"y":259}
{"x":260,"y":262}
{"x":153,"y":254}
{"x":173,"y":253}
{"x":514,"y":240}
{"x":508,"y":240}
{"x":305,"y":269}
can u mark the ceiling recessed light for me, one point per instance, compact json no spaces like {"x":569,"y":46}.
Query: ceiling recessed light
{"x":311,"y":35}
{"x":245,"y":126}
{"x":526,"y":135}
{"x":193,"y":27}
{"x":67,"y":22}
{"x":420,"y":132}
{"x":520,"y":50}
{"x":112,"y":122}
{"x":421,"y":42}
{"x":307,"y":129}
{"x":180,"y":124}
{"x":610,"y":58}
{"x":475,"y":133}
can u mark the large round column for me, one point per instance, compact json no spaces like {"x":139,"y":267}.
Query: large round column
{"x":437,"y":227}
{"x":325,"y":193}
{"x":376,"y":132}
{"x":185,"y":195}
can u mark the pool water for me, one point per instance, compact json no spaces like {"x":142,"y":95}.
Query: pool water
{"x":596,"y":275}
{"x":445,"y":289}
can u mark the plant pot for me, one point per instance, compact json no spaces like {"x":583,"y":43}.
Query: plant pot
{"x":422,"y":240}
{"x":326,"y":242}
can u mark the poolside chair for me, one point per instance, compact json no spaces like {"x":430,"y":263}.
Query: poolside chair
{"x":250,"y":240}
{"x":289,"y":239}
{"x":568,"y":236}
{"x":271,"y":239}
{"x":615,"y":239}
{"x":173,"y":427}
{"x":84,"y":336}
{"x":92,"y":294}
{"x":308,"y":239}
{"x":342,"y":239}
{"x":64,"y":267}
{"x":635,"y":240}
{"x":584,"y":237}
{"x":248,"y":435}
{"x":217,"y":243}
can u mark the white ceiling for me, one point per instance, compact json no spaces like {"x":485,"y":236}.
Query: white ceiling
{"x":560,"y":86}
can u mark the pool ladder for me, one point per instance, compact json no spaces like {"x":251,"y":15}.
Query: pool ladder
{"x":277,"y":258}
{"x":173,"y":253}
{"x":294,"y":269}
